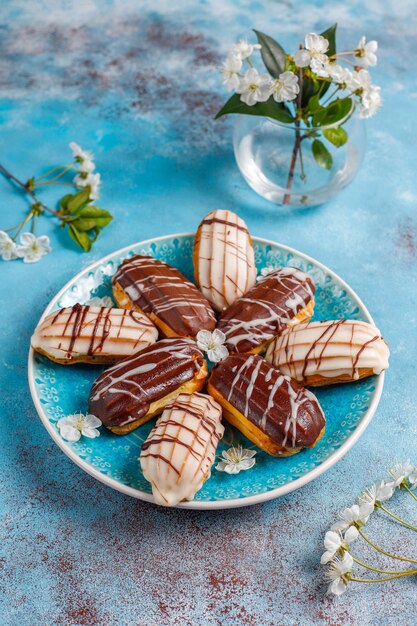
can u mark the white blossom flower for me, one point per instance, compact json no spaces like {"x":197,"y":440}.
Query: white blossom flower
{"x":370,"y":101}
{"x":31,"y":249}
{"x":83,"y":179}
{"x":243,"y":49}
{"x":254,"y":87}
{"x":8,"y":248}
{"x":79,"y":154}
{"x":230,"y":72}
{"x":313,"y":54}
{"x":400,"y":472}
{"x":213,"y":344}
{"x":378,"y":492}
{"x":285,"y":87}
{"x":355,"y":515}
{"x":334,"y":541}
{"x":341,"y":75}
{"x":337,"y":574}
{"x":72,"y":427}
{"x":236,"y":459}
{"x":366,"y":52}
{"x":412,"y":478}
{"x":86,"y":166}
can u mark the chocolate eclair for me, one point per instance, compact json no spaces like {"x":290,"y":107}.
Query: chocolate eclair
{"x":270,"y":409}
{"x":91,"y":334}
{"x":224,"y":261}
{"x":131,"y":392}
{"x":325,"y":353}
{"x":282,"y":298}
{"x":160,"y":291}
{"x":177,"y":456}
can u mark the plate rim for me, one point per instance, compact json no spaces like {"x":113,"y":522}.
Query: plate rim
{"x":211,"y":504}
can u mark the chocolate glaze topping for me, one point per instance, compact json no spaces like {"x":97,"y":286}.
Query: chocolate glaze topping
{"x":266,"y":309}
{"x":158,"y":288}
{"x":287,"y":413}
{"x":124,"y":392}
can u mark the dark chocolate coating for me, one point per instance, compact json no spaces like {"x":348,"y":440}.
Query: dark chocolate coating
{"x":162,"y":290}
{"x":266,"y":309}
{"x":124,"y":392}
{"x":287,"y":413}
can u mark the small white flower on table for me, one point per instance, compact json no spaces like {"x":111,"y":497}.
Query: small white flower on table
{"x":213,"y":344}
{"x":378,"y":492}
{"x":366,"y":52}
{"x":236,"y":459}
{"x":79,"y":154}
{"x":31,"y":249}
{"x":8,"y":248}
{"x":400,"y":472}
{"x":356,"y":515}
{"x":337,"y":574}
{"x":72,"y":427}
{"x":412,"y":478}
{"x":335,"y":542}
{"x":84,"y":179}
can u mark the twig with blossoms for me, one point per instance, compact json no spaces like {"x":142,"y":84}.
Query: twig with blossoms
{"x":338,"y":555}
{"x":294,"y":90}
{"x":76,"y":212}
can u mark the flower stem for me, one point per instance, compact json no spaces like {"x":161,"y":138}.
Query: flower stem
{"x":27,"y":218}
{"x":413,"y":495}
{"x":383,"y":571}
{"x":392,"y":556}
{"x":19,"y":183}
{"x":64,"y":169}
{"x":293,"y":162}
{"x":399,"y":519}
{"x":380,"y":580}
{"x":330,"y":97}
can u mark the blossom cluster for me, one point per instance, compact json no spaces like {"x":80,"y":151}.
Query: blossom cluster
{"x":346,"y":530}
{"x":85,"y":167}
{"x":256,"y":87}
{"x":30,"y":248}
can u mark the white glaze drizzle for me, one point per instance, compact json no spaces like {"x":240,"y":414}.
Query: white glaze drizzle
{"x":225,"y":268}
{"x":180,"y":450}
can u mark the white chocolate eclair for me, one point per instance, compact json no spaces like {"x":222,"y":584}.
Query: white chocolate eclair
{"x":92,"y":334}
{"x":324,"y":353}
{"x":224,"y":263}
{"x":178,"y":454}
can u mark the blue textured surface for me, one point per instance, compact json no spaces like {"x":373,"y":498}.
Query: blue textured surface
{"x":137,"y":83}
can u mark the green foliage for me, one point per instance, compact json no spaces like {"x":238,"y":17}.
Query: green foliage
{"x":273,"y":55}
{"x":337,"y":136}
{"x":84,"y":220}
{"x":270,"y":108}
{"x":321,"y":154}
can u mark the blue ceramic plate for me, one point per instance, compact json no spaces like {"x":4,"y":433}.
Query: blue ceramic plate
{"x":59,"y":390}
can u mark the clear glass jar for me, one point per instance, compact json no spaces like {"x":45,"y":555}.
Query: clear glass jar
{"x":267,"y":155}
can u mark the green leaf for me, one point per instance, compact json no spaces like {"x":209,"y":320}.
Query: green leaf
{"x":270,"y":108}
{"x":330,"y":35}
{"x":273,"y":55}
{"x":334,"y":112}
{"x":337,"y":136}
{"x":63,"y":203}
{"x":78,"y":200}
{"x":93,"y":214}
{"x":80,"y":238}
{"x":308,"y":89}
{"x":322,"y":155}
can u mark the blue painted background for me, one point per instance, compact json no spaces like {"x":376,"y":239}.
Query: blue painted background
{"x":136,"y":82}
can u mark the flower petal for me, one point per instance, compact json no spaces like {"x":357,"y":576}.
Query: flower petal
{"x":69,"y":433}
{"x":91,"y":421}
{"x":351,"y":534}
{"x":91,"y":433}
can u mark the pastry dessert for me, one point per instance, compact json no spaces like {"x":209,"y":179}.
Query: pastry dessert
{"x":178,"y":454}
{"x":91,"y":334}
{"x":160,"y":291}
{"x":224,"y":263}
{"x":270,"y":409}
{"x":129,"y":393}
{"x":324,"y":353}
{"x":283,"y":298}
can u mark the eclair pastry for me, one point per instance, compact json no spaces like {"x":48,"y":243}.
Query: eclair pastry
{"x":270,"y":409}
{"x":177,"y":456}
{"x":325,"y":353}
{"x":160,"y":291}
{"x":91,"y":334}
{"x":283,"y":298}
{"x":131,"y":392}
{"x":224,"y":262}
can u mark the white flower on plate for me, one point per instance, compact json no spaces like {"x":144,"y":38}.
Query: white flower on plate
{"x":366,"y":52}
{"x":236,"y":459}
{"x":104,"y":301}
{"x":254,"y":87}
{"x":31,"y":249}
{"x":337,"y":574}
{"x":79,"y":154}
{"x":400,"y":472}
{"x":333,"y":542}
{"x":313,"y":54}
{"x":213,"y":344}
{"x":243,"y":49}
{"x":356,"y":515}
{"x":285,"y":87}
{"x":230,"y":72}
{"x":378,"y":492}
{"x":83,"y":179}
{"x":8,"y":248}
{"x":72,"y":427}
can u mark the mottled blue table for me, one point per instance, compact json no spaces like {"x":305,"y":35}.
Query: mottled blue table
{"x":137,"y":83}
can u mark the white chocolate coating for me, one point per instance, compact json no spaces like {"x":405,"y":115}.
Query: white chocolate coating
{"x":93,"y":332}
{"x":225,"y":268}
{"x":329,"y":349}
{"x":178,"y":454}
